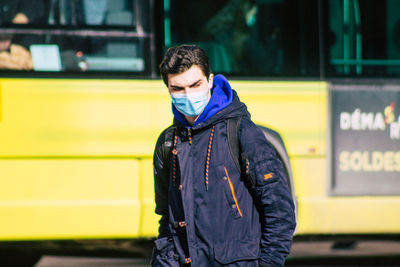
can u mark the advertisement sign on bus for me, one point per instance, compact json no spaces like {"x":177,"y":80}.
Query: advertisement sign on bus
{"x":366,"y":139}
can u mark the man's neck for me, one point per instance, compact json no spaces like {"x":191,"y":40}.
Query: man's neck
{"x":191,"y":120}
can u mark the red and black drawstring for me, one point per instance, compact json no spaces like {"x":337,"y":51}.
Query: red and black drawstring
{"x":175,"y":153}
{"x":210,"y":141}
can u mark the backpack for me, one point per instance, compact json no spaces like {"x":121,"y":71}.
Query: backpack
{"x":233,"y":125}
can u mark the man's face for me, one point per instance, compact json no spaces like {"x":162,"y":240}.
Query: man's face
{"x":190,"y":81}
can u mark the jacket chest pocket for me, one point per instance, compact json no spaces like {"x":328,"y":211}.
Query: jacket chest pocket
{"x":229,"y":191}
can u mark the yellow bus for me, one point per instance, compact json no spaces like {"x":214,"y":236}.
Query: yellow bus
{"x":82,"y":104}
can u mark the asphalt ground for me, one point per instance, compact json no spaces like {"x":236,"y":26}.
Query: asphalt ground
{"x":69,"y":261}
{"x":329,"y":253}
{"x":304,"y":254}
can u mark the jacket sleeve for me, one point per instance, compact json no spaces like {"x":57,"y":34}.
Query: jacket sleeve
{"x":161,"y":180}
{"x":273,"y":197}
{"x":164,"y":253}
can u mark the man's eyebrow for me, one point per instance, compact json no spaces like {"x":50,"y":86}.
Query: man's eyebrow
{"x":180,"y":87}
{"x":176,"y":87}
{"x":196,"y":82}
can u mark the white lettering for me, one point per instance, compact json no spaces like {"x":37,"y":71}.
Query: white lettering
{"x":395,"y":130}
{"x":397,"y":161}
{"x":362,"y":121}
{"x":345,"y":122}
{"x":355,"y":119}
{"x":367,"y":165}
{"x":356,"y":161}
{"x":376,"y":161}
{"x":367,"y":120}
{"x":344,"y":161}
{"x":379,"y":122}
{"x":388,"y":161}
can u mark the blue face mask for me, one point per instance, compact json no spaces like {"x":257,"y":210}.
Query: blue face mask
{"x":191,"y":104}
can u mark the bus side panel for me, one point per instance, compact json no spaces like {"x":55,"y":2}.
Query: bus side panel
{"x":57,"y":117}
{"x":75,"y":157}
{"x":297,"y":110}
{"x":148,"y":218}
{"x":69,"y":198}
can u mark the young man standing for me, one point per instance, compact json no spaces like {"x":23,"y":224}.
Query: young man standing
{"x":215,"y":213}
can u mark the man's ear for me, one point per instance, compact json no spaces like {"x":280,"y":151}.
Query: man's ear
{"x":210,"y":81}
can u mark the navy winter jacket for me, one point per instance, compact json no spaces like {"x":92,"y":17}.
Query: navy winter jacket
{"x":209,"y":215}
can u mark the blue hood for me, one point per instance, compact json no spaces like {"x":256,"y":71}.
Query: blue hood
{"x":221,"y":97}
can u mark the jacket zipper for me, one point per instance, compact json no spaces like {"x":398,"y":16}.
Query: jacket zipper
{"x":190,"y":136}
{"x":233,"y":192}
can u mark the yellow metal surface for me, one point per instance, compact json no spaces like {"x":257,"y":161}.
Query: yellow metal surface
{"x":1,"y":104}
{"x":76,"y":158}
{"x":297,"y":110}
{"x":108,"y":117}
{"x":148,"y":218}
{"x":61,"y":198}
{"x":319,"y":213}
{"x":349,"y":215}
{"x":82,"y":117}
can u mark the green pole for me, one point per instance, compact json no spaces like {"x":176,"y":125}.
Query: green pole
{"x":167,"y":24}
{"x":357,"y":18}
{"x":346,"y":34}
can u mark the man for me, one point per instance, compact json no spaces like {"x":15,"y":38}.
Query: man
{"x":211,"y":216}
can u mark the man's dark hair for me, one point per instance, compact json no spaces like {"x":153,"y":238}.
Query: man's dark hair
{"x":178,"y":59}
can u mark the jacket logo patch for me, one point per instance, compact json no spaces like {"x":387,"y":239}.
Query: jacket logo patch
{"x":268,"y":176}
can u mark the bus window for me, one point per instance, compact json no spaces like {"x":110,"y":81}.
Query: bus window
{"x":95,"y":53}
{"x":94,"y":12}
{"x":22,"y":12}
{"x":363,"y":38}
{"x":248,"y":37}
{"x":78,"y":36}
{"x":14,"y":50}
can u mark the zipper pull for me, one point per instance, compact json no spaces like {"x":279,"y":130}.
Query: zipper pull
{"x":190,"y":135}
{"x":247,"y":166}
{"x":250,"y":179}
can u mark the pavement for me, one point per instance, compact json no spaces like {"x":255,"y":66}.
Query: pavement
{"x":330,"y":248}
{"x":68,"y":261}
{"x":323,"y":252}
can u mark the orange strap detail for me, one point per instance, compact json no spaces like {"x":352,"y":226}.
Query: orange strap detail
{"x":268,"y":176}
{"x":233,"y":192}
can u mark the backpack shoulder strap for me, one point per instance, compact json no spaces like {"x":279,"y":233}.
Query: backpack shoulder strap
{"x":167,"y":145}
{"x":233,"y":125}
